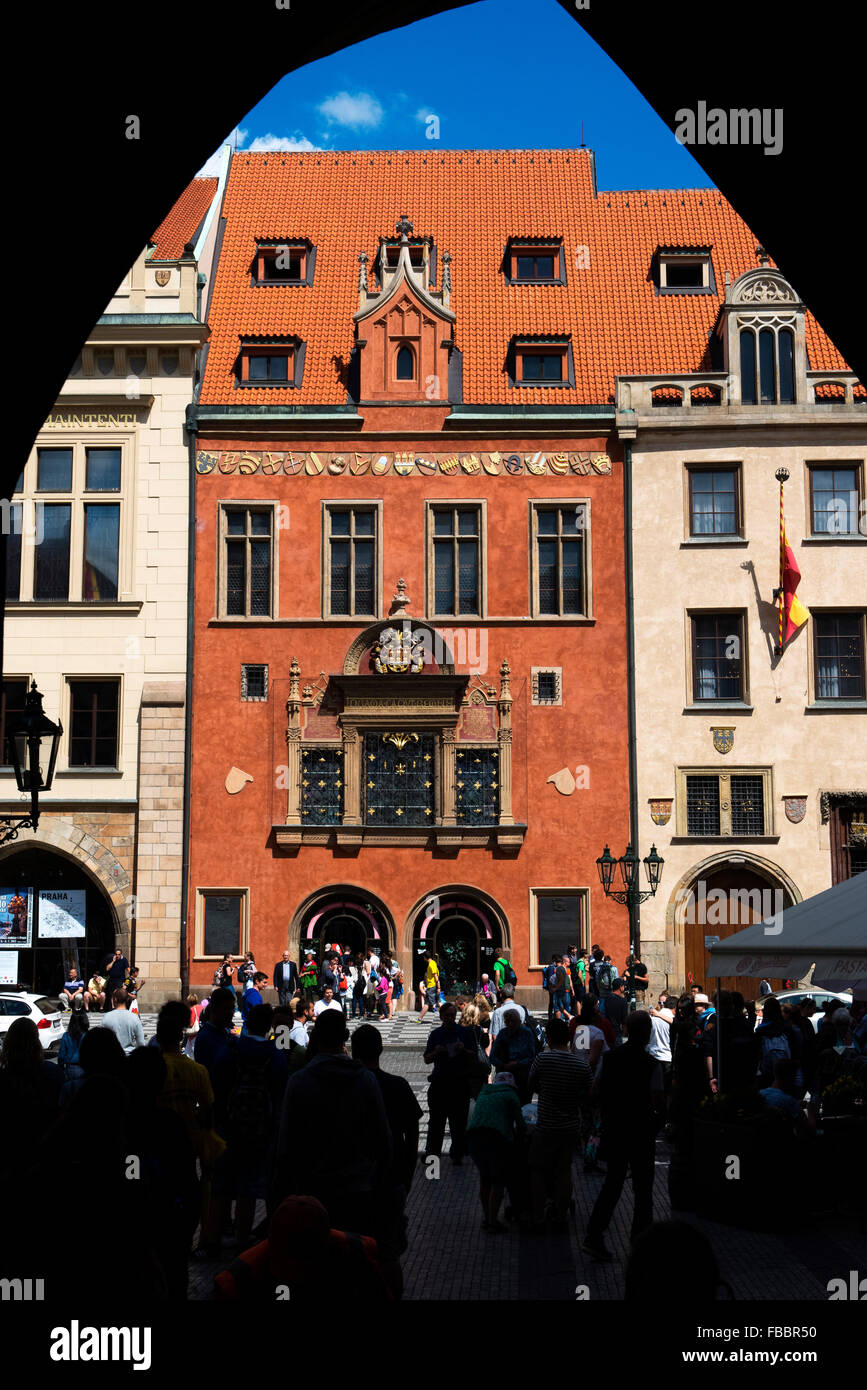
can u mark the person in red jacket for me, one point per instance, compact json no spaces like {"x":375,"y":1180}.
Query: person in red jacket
{"x":303,"y":1260}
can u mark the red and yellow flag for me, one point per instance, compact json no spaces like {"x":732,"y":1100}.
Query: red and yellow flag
{"x":793,"y":614}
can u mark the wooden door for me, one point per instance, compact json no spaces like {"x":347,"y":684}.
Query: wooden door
{"x":727,"y":909}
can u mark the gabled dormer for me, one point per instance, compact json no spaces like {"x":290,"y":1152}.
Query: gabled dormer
{"x":762,"y":328}
{"x":404,"y":330}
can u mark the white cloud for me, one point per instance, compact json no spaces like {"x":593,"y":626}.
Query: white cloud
{"x":423,"y":113}
{"x":270,"y":142}
{"x":357,"y":112}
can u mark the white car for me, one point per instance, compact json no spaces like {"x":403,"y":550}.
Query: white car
{"x":818,"y":996}
{"x":44,"y":1011}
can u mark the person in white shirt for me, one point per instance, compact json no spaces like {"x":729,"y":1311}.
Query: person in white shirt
{"x":327,"y":1002}
{"x":126,"y":1026}
{"x":374,"y":960}
{"x":300,"y":1031}
{"x":498,"y":1017}
{"x":659,"y":1046}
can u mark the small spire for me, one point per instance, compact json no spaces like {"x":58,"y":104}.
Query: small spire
{"x":764,"y":258}
{"x":294,"y":678}
{"x":404,"y":226}
{"x":362,"y":272}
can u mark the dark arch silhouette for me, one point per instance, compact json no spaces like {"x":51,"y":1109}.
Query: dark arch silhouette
{"x":83,"y":185}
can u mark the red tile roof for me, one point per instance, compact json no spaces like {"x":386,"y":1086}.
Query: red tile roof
{"x":184,"y":220}
{"x":471,"y":202}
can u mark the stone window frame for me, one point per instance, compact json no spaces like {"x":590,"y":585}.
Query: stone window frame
{"x":480,"y":506}
{"x":816,"y":703}
{"x":432,"y":710}
{"x":857,"y":464}
{"x":76,"y":497}
{"x":534,"y":505}
{"x":351,"y":504}
{"x":735,"y":701}
{"x":246,"y":666}
{"x":535,"y":673}
{"x":714,"y":537}
{"x":220,"y":892}
{"x":724,"y":776}
{"x":230,"y":504}
{"x":537,"y":892}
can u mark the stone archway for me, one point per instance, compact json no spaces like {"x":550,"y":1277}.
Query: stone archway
{"x":52,"y":861}
{"x":464,"y":927}
{"x":348,"y":903}
{"x":716,"y":898}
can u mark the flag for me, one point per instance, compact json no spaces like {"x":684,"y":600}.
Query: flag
{"x":791,"y":606}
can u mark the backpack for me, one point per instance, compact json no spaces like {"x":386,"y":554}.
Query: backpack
{"x":550,"y":976}
{"x":604,"y":976}
{"x":509,"y":976}
{"x":774,"y":1049}
{"x":250,"y":1109}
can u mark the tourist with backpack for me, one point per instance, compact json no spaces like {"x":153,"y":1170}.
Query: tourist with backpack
{"x":503,"y":972}
{"x":249,"y":1086}
{"x":605,"y":976}
{"x":549,"y":982}
{"x":778,"y":1041}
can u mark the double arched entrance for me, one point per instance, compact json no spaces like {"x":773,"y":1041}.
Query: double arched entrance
{"x":716,"y":899}
{"x":462,"y":927}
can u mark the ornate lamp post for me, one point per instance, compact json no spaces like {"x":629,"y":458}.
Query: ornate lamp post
{"x":33,"y":743}
{"x":630,"y":893}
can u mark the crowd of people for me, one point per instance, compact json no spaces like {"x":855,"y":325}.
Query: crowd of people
{"x":98,"y":992}
{"x":295,"y":1111}
{"x":363,"y":985}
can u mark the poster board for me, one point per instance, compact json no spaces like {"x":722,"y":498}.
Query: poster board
{"x":62,"y":913}
{"x":16,"y":917}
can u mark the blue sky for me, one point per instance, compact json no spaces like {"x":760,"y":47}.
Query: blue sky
{"x":492,"y":79}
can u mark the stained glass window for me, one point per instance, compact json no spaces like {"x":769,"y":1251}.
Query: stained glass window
{"x":399,"y":777}
{"x":477,"y":786}
{"x":321,"y":786}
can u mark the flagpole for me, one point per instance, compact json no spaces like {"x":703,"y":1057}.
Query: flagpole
{"x":781,"y":475}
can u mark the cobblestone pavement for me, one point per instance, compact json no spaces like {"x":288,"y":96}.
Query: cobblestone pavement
{"x":450,"y":1257}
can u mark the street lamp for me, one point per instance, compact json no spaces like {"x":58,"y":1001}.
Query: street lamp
{"x":630,"y":894}
{"x":33,"y":743}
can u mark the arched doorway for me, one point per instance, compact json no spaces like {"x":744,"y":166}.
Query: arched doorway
{"x":343,"y":917}
{"x":463,"y":932}
{"x":62,"y":898}
{"x":719,"y":902}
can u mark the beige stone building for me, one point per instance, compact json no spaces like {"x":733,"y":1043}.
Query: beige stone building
{"x":751,"y":763}
{"x":96,"y":615}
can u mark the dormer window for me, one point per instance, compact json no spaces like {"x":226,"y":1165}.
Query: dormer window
{"x":277,"y":362}
{"x":283,"y":263}
{"x":767,"y":365}
{"x":535,"y":261}
{"x":542,"y":362}
{"x":684,"y":270}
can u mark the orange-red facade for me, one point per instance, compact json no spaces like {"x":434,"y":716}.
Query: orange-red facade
{"x":233,"y":836}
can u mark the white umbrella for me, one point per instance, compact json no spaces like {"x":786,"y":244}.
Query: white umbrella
{"x":828,"y":931}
